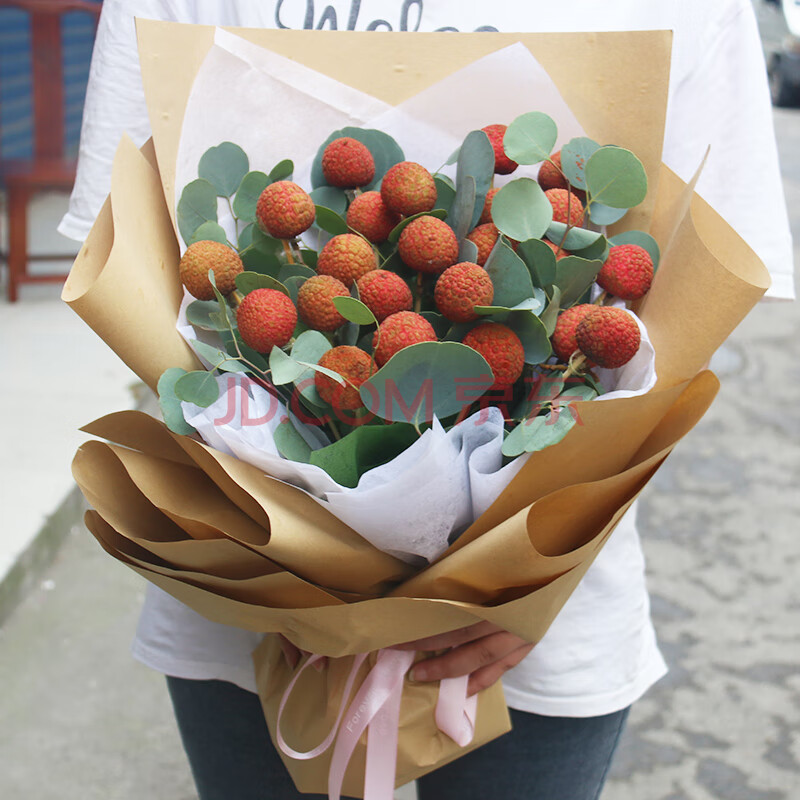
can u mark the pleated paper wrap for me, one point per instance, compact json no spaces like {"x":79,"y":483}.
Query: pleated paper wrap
{"x":244,"y":549}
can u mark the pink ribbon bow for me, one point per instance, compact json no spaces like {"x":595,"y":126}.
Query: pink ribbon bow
{"x":376,"y":709}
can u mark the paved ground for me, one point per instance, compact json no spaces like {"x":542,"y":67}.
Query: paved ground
{"x":82,"y":720}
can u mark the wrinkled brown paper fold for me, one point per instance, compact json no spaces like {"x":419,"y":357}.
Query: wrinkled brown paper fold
{"x":244,"y":549}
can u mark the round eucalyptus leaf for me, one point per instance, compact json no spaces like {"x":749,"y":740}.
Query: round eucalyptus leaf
{"x":198,"y":387}
{"x":445,"y":192}
{"x":170,"y":404}
{"x":521,"y":211}
{"x":330,"y":197}
{"x":576,"y":238}
{"x":536,"y":434}
{"x":198,"y":204}
{"x":246,"y":199}
{"x":468,"y":251}
{"x":204,"y":314}
{"x":461,"y":211}
{"x":615,"y":177}
{"x":600,"y":214}
{"x":284,"y":369}
{"x":641,"y":238}
{"x":330,"y":221}
{"x":550,"y":314}
{"x":530,"y":138}
{"x":247,"y":282}
{"x":476,"y":160}
{"x":574,"y":155}
{"x":510,"y":277}
{"x":223,"y":167}
{"x":354,"y":311}
{"x":290,"y":444}
{"x":574,"y":276}
{"x":209,"y":232}
{"x":532,"y":334}
{"x":291,"y":270}
{"x":282,"y":171}
{"x":426,"y":380}
{"x":540,"y":261}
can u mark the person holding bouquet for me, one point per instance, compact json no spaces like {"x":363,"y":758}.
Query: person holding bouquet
{"x":570,"y":693}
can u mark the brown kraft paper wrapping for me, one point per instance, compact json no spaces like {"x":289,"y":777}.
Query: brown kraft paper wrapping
{"x":255,"y":553}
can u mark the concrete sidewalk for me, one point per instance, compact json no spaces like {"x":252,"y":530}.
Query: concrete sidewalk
{"x":80,"y":719}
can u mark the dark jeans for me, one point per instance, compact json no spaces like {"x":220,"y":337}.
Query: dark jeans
{"x":551,"y":758}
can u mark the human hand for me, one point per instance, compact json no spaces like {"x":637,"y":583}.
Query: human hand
{"x":483,"y":651}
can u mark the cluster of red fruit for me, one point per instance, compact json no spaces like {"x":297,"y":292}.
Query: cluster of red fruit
{"x":349,"y":264}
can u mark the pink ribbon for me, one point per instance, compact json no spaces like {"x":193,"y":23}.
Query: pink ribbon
{"x":376,"y":709}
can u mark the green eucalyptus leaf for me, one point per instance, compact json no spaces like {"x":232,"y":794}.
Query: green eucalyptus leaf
{"x":439,"y":323}
{"x":218,"y":359}
{"x":426,"y":380}
{"x":198,"y":204}
{"x":201,"y":314}
{"x":209,"y":232}
{"x":574,"y":155}
{"x":363,"y":449}
{"x":540,"y":261}
{"x":605,"y":215}
{"x":292,"y":285}
{"x":476,"y":160}
{"x":330,"y":197}
{"x":538,"y":433}
{"x":198,"y":387}
{"x":246,"y":199}
{"x":445,"y":192}
{"x":575,"y":239}
{"x":282,"y":171}
{"x":308,"y":348}
{"x":530,"y":138}
{"x":549,"y":316}
{"x":309,"y":258}
{"x":510,"y":277}
{"x":597,"y":250}
{"x":247,"y":282}
{"x":573,"y":276}
{"x":223,"y":167}
{"x":262,"y":263}
{"x":170,"y":404}
{"x":284,"y":369}
{"x":641,"y":238}
{"x":521,"y":211}
{"x":354,"y":311}
{"x":290,"y":444}
{"x":532,"y":334}
{"x":330,"y":221}
{"x":292,"y":270}
{"x":616,"y":178}
{"x":460,"y":216}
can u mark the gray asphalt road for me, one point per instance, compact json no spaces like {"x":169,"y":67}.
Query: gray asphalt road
{"x":80,"y":719}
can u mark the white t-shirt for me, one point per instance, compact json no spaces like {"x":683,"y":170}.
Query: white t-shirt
{"x":600,"y":654}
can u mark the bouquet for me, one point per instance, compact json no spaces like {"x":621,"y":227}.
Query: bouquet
{"x":281,"y":545}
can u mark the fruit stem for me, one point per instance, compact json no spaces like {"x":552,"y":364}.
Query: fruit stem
{"x":287,"y":248}
{"x":601,"y":298}
{"x":418,"y":294}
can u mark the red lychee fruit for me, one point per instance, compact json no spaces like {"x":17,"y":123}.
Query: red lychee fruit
{"x":563,"y":339}
{"x":398,"y":331}
{"x":567,"y":206}
{"x":315,"y":302}
{"x":503,"y":165}
{"x":369,"y":216}
{"x":347,"y":163}
{"x":550,"y":175}
{"x":608,"y":336}
{"x":347,"y":257}
{"x":408,"y":188}
{"x":202,"y":256}
{"x":501,"y":348}
{"x":284,"y":210}
{"x":627,"y":272}
{"x":266,"y":319}
{"x":460,"y":288}
{"x":484,"y":237}
{"x":354,"y":365}
{"x":384,"y":293}
{"x":486,"y":214}
{"x":428,"y":244}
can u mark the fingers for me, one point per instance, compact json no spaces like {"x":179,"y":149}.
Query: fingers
{"x":485,"y":677}
{"x":485,"y":659}
{"x":454,"y":638}
{"x":290,"y":652}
